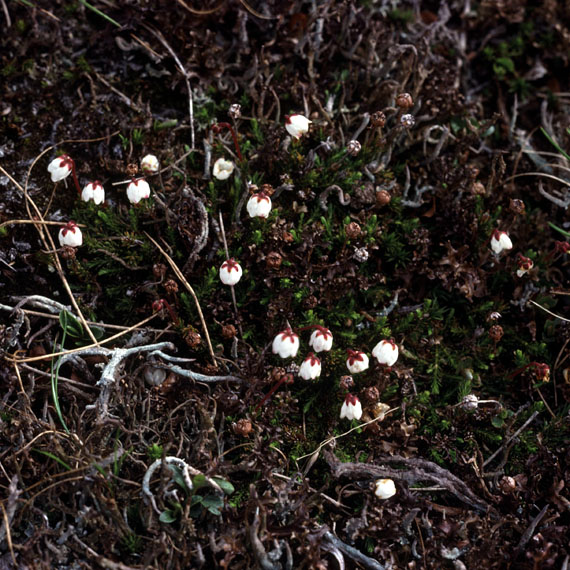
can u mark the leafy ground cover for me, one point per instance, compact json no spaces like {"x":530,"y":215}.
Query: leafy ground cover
{"x":146,"y":421}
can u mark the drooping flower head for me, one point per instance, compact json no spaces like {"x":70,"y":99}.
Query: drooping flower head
{"x":351,"y":408}
{"x":310,"y":368}
{"x":70,"y":235}
{"x":357,"y":361}
{"x":297,"y":125}
{"x":321,"y":339}
{"x":259,"y":205}
{"x":500,"y":241}
{"x":93,"y":191}
{"x":230,"y":272}
{"x":386,"y":352}
{"x":286,"y":344}
{"x":138,"y":190}
{"x":60,"y":167}
{"x":223,"y":169}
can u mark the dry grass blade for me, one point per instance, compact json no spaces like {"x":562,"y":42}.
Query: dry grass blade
{"x":176,"y":270}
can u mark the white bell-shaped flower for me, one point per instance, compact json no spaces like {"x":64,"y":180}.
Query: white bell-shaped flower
{"x":351,"y":408}
{"x":60,"y":167}
{"x":70,"y":235}
{"x":259,"y":205}
{"x":357,"y":361}
{"x":230,"y":272}
{"x":385,"y":488}
{"x":223,"y":169}
{"x":138,"y":190}
{"x":150,"y":164}
{"x":386,"y":352}
{"x":321,"y":339}
{"x":297,"y":125}
{"x":93,"y":191}
{"x":500,"y":241}
{"x":286,"y":344}
{"x":310,"y":368}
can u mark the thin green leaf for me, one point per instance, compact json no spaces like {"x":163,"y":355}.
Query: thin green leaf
{"x":54,"y":457}
{"x":99,"y":13}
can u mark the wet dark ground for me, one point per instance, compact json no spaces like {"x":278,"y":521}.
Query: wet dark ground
{"x":390,"y":242}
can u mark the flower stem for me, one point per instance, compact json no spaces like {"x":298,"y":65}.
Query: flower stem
{"x":75,"y":176}
{"x":288,"y":377}
{"x":219,"y":126}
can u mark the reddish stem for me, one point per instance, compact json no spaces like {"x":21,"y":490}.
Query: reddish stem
{"x":161,"y":304}
{"x":288,"y":377}
{"x":219,"y":126}
{"x":538,"y":365}
{"x":75,"y":175}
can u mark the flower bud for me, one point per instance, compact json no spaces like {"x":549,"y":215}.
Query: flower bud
{"x":70,"y":235}
{"x":150,"y":164}
{"x":469,"y":402}
{"x":230,"y":272}
{"x":242,"y":427}
{"x":223,"y":169}
{"x":273,"y":260}
{"x":383,"y":197}
{"x":384,"y":488}
{"x":297,"y":125}
{"x":93,"y":191}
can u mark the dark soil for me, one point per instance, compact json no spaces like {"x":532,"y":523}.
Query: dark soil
{"x":169,"y":439}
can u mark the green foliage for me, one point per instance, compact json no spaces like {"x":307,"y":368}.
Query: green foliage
{"x":154,"y":451}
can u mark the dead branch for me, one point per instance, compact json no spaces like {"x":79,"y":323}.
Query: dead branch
{"x":416,"y":470}
{"x":352,"y":552}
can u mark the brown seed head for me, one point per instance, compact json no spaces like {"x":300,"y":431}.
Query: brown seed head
{"x":352,"y":230}
{"x":383,"y":197}
{"x":192,"y":338}
{"x":478,"y":188}
{"x":372,"y":394}
{"x":378,"y":119}
{"x":228,"y":331}
{"x":404,"y":101}
{"x":159,"y":270}
{"x":171,"y":286}
{"x":267,"y":189}
{"x":68,"y":252}
{"x":496,"y":333}
{"x":507,"y":484}
{"x":516,"y":206}
{"x":132,"y":169}
{"x":346,"y":382}
{"x":273,"y":260}
{"x":242,"y":427}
